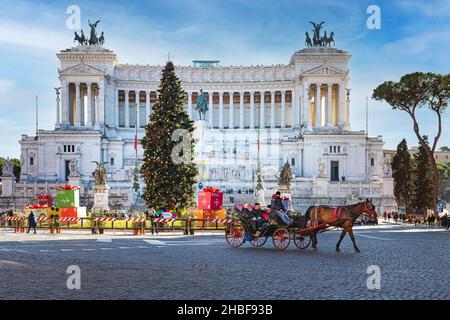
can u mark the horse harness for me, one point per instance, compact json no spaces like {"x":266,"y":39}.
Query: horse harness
{"x":337,"y":215}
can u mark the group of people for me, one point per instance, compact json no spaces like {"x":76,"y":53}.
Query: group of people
{"x":430,"y":220}
{"x":259,"y":218}
{"x":394,"y":216}
{"x":239,"y":191}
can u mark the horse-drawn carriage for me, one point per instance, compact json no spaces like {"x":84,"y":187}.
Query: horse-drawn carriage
{"x":281,"y":229}
{"x":284,"y":228}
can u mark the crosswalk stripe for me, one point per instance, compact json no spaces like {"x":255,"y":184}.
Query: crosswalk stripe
{"x":158,"y":242}
{"x":372,"y":237}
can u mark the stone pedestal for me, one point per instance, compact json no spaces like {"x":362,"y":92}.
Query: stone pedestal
{"x":321,"y":186}
{"x":101,"y":197}
{"x":8,"y":184}
{"x":260,"y":197}
{"x":284,"y":189}
{"x":74,"y":181}
{"x":201,"y":128}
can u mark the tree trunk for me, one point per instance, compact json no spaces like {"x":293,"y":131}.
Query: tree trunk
{"x":436,"y":187}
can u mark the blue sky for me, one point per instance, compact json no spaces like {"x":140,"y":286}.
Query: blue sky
{"x":414,"y":36}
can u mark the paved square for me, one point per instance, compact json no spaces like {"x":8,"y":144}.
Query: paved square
{"x":413,"y":261}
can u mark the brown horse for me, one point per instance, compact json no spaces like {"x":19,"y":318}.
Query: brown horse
{"x":343,"y":217}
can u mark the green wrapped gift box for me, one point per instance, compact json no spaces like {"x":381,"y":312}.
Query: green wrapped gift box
{"x":68,"y":198}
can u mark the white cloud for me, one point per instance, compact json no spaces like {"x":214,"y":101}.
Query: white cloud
{"x":423,"y":45}
{"x":31,"y":36}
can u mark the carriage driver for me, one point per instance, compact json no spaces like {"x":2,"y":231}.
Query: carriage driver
{"x":276,"y":204}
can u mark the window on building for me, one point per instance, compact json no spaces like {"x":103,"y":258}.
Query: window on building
{"x":111,"y":161}
{"x":31,"y":161}
{"x":372,"y":162}
{"x":65,"y":148}
{"x":293,"y":162}
{"x":334,"y":149}
{"x":331,"y":149}
{"x":339,"y":149}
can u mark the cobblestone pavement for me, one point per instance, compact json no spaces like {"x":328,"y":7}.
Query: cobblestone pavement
{"x":414,"y":264}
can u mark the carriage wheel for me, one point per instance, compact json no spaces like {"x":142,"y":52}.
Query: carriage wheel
{"x":281,"y":238}
{"x":258,"y":241}
{"x":301,"y":241}
{"x":235,"y":235}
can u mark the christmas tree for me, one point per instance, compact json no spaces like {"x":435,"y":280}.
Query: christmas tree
{"x":168,"y":170}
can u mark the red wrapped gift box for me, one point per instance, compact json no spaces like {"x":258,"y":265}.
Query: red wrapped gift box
{"x":73,"y":212}
{"x":45,"y":199}
{"x":210,"y":200}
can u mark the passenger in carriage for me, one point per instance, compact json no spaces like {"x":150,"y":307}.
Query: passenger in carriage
{"x":251,"y":217}
{"x":261,"y":218}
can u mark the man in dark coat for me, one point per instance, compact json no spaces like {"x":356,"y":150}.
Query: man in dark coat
{"x":276,"y":204}
{"x":250,"y":217}
{"x":31,"y":222}
{"x":258,"y":218}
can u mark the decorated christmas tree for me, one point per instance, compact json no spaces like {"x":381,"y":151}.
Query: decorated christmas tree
{"x":168,"y":169}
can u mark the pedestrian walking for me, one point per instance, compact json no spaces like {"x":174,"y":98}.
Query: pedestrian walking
{"x":31,"y":222}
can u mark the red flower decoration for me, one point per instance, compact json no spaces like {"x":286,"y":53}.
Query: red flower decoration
{"x":68,"y":187}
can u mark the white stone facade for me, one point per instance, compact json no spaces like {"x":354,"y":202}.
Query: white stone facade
{"x":300,"y":112}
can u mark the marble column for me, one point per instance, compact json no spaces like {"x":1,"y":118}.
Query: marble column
{"x":58,"y":111}
{"x":329,"y":117}
{"x":101,"y":103}
{"x":78,"y":105}
{"x":262,"y":113}
{"x":283,"y":109}
{"x":127,"y":108}
{"x":231,"y":115}
{"x":90,"y":117}
{"x":82,"y":112}
{"x":252,"y":110}
{"x":341,"y":120}
{"x":306,"y":106}
{"x":116,"y":107}
{"x":241,"y":110}
{"x":220,"y":110}
{"x":295,"y":108}
{"x":147,"y":106}
{"x":318,"y":106}
{"x":65,"y":102}
{"x":272,"y":109}
{"x":138,"y":107}
{"x":189,"y":110}
{"x":211,"y":109}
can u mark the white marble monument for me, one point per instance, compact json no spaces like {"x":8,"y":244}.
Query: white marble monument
{"x":300,"y":109}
